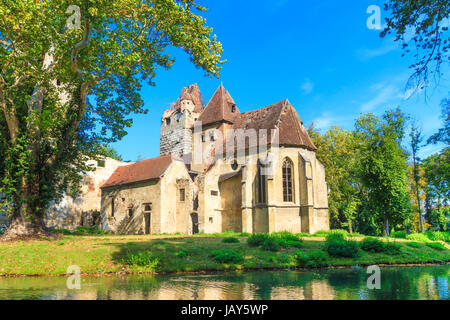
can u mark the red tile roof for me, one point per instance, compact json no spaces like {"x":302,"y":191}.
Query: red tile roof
{"x":139,"y":171}
{"x":280,"y":115}
{"x":219,"y":108}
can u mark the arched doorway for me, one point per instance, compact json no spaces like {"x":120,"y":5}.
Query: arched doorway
{"x":194,"y":218}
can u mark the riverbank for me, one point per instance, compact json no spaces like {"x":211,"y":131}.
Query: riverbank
{"x":106,"y":254}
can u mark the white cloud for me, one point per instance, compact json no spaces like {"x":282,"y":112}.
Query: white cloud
{"x":307,"y":86}
{"x":381,"y":95}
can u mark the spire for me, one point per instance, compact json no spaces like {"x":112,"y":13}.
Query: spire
{"x":220,"y":108}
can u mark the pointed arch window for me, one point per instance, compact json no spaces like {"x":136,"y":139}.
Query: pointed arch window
{"x":288,"y":187}
{"x":261,"y":184}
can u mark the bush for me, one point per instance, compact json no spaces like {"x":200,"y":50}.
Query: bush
{"x":230,"y":240}
{"x":372,"y":245}
{"x":436,"y":245}
{"x":226,"y":256}
{"x":142,"y":259}
{"x":436,"y":236}
{"x":392,"y":248}
{"x":335,"y":237}
{"x":312,"y":259}
{"x":344,"y":248}
{"x":417,"y":237}
{"x":270,"y":244}
{"x":257,"y":239}
{"x":182,"y":254}
{"x":399,"y":234}
{"x":286,"y":239}
{"x":414,"y":244}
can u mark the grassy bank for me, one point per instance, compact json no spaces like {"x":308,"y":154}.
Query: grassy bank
{"x":97,"y":254}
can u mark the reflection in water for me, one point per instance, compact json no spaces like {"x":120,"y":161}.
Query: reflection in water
{"x":428,"y":282}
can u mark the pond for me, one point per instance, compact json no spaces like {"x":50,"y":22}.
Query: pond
{"x":424,"y":282}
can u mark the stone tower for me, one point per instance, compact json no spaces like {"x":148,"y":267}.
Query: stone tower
{"x":176,"y":123}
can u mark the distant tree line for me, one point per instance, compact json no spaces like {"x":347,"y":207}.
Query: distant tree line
{"x":376,"y":183}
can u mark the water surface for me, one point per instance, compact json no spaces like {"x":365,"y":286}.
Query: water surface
{"x":412,"y":283}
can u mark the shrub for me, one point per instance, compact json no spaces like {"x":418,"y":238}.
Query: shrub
{"x":226,"y":256}
{"x":286,"y":239}
{"x":372,"y":245}
{"x":335,"y":237}
{"x":343,"y":248}
{"x":414,"y":244}
{"x":436,"y":236}
{"x":182,"y":254}
{"x":355,"y":234}
{"x":283,"y":258}
{"x":270,"y":244}
{"x":142,"y":259}
{"x":230,"y":240}
{"x":257,"y":239}
{"x":399,"y":234}
{"x":312,"y":259}
{"x":436,"y":245}
{"x":417,"y":237}
{"x":392,"y":248}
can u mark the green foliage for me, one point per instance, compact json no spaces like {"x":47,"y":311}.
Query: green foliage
{"x":230,"y":240}
{"x":182,"y":254}
{"x":436,"y":245}
{"x":142,"y":259}
{"x":270,"y":244}
{"x":372,"y":245}
{"x":414,"y":244}
{"x":118,"y":47}
{"x":337,"y":246}
{"x":437,"y":236}
{"x":429,"y":45}
{"x":286,"y":239}
{"x":257,"y":239}
{"x":418,"y":237}
{"x":392,"y":248}
{"x":311,"y":259}
{"x":399,"y":234}
{"x":226,"y":256}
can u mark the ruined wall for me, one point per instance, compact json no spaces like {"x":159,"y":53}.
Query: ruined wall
{"x":84,"y":210}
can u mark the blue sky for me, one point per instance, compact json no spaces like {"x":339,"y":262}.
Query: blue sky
{"x":318,"y":54}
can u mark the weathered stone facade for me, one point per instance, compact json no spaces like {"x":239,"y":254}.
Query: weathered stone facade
{"x":218,"y":194}
{"x":84,"y":210}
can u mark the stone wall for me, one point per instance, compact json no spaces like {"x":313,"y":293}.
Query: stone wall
{"x":84,"y":210}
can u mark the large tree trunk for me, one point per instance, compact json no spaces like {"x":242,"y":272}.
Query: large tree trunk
{"x":25,"y":225}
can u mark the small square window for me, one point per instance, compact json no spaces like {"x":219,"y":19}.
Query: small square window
{"x":147,"y":207}
{"x":233,"y":108}
{"x":211,"y":220}
{"x":214,"y":193}
{"x":130,"y":212}
{"x":203,"y":138}
{"x":212,"y":136}
{"x":101,"y":163}
{"x":167,"y":121}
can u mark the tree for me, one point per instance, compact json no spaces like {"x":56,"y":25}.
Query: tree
{"x":110,"y":152}
{"x":68,"y":82}
{"x":336,"y":151}
{"x":383,"y":167}
{"x":415,"y":142}
{"x":425,"y":18}
{"x":443,"y":134}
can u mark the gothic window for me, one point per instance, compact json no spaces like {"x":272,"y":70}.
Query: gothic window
{"x":261,"y":184}
{"x":167,"y":121}
{"x":112,"y":207}
{"x":203,"y":138}
{"x":288,"y":187}
{"x":147,"y":207}
{"x":211,"y":136}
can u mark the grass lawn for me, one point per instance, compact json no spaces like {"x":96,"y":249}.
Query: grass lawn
{"x":177,"y":253}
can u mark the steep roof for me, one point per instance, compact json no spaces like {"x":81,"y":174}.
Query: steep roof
{"x":219,"y":108}
{"x":280,"y":115}
{"x":139,"y":171}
